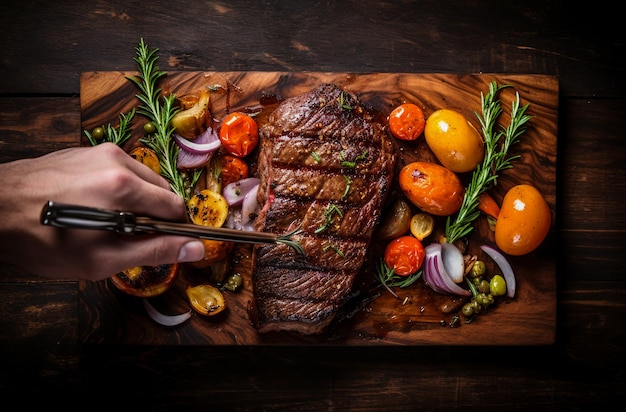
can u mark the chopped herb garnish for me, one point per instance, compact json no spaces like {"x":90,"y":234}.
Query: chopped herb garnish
{"x":348,"y":185}
{"x":316,"y":157}
{"x":342,"y":100}
{"x":352,"y":163}
{"x":335,"y":248}
{"x":330,"y":213}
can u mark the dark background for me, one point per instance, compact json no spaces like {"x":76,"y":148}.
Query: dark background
{"x":45,"y":45}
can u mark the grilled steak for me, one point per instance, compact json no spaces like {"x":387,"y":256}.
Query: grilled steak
{"x":325,"y":166}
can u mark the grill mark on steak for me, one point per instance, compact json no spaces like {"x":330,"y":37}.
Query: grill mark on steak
{"x":306,"y":183}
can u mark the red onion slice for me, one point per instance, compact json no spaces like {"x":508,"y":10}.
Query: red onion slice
{"x":188,"y":160}
{"x":235,"y":192}
{"x":165,"y":320}
{"x":439,"y":279}
{"x":207,"y":141}
{"x":249,"y":207}
{"x":505,"y":267}
{"x":453,"y":262}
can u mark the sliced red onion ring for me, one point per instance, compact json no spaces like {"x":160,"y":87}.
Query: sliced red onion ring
{"x":235,"y":192}
{"x":165,"y":320}
{"x":505,"y":267}
{"x":207,"y":141}
{"x":435,"y":272}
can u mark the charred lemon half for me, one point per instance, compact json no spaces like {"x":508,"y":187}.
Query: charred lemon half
{"x":146,"y":281}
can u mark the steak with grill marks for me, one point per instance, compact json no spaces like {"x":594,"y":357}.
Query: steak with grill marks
{"x":325,"y":167}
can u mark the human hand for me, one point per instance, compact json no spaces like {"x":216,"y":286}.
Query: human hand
{"x":105,"y":177}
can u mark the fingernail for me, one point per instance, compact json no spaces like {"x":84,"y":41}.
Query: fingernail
{"x":191,"y":252}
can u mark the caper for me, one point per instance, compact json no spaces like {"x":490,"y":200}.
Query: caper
{"x":467,"y":310}
{"x":97,"y":133}
{"x":482,"y":299}
{"x":483,"y":286}
{"x":234,"y":282}
{"x":497,"y":285}
{"x":478,"y":269}
{"x":149,"y":128}
{"x":475,"y":306}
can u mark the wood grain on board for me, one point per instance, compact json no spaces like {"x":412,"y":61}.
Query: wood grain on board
{"x":372,"y":316}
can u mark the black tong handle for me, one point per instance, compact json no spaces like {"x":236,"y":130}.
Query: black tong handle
{"x":83,"y":217}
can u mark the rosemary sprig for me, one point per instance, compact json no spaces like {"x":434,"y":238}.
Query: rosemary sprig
{"x":286,"y":239}
{"x":496,"y":157}
{"x":117,"y":135}
{"x":159,"y":110}
{"x":389,"y":279}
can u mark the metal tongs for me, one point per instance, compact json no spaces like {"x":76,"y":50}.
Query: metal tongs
{"x":82,"y":217}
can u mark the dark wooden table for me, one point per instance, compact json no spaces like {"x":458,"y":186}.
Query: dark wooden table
{"x":45,"y":46}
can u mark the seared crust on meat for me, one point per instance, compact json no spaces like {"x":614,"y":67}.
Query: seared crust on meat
{"x":325,"y":166}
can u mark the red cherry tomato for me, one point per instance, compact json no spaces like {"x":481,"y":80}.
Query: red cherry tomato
{"x":406,"y":122}
{"x":239,"y":134}
{"x":233,"y":169}
{"x":405,"y":255}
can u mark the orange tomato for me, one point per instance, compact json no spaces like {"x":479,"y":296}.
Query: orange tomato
{"x":432,"y":188}
{"x":524,"y":221}
{"x":488,"y":206}
{"x":406,"y":122}
{"x":233,"y":169}
{"x":453,"y":139}
{"x":239,"y":134}
{"x":405,"y":255}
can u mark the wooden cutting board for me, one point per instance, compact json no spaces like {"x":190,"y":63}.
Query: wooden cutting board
{"x":373,"y":316}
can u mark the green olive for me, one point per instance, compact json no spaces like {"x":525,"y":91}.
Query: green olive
{"x":497,"y":286}
{"x":149,"y":128}
{"x":97,"y":133}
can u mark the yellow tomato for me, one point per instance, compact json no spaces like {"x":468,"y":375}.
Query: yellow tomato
{"x":454,"y":141}
{"x":432,"y":188}
{"x":523,"y":222}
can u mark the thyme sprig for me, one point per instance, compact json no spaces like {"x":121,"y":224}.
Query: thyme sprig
{"x":389,"y":279}
{"x":117,"y":135}
{"x":496,"y":157}
{"x":159,"y":110}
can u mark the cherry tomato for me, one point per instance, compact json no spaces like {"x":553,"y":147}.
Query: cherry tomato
{"x":524,"y":221}
{"x":454,"y":140}
{"x":405,"y":255}
{"x":239,"y":134}
{"x":233,"y":169}
{"x":488,"y":206}
{"x":206,"y":299}
{"x":432,"y":188}
{"x":406,"y":122}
